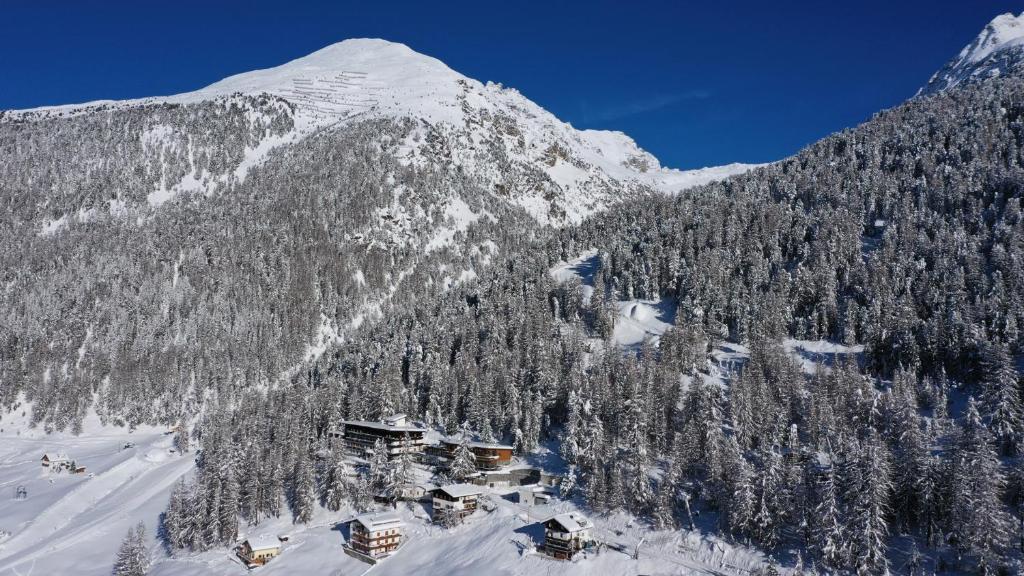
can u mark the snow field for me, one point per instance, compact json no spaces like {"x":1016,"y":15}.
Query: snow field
{"x":75,"y":523}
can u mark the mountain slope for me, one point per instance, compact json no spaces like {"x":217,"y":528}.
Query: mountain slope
{"x":164,"y":247}
{"x":574,"y":172}
{"x":998,"y":50}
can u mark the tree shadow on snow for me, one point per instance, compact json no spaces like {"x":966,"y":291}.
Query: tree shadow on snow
{"x":586,"y":269}
{"x":829,"y":359}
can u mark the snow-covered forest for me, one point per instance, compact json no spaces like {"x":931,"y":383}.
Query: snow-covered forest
{"x":902,"y":234}
{"x":672,"y":348}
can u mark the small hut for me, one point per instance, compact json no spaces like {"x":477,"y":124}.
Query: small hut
{"x":260,"y":550}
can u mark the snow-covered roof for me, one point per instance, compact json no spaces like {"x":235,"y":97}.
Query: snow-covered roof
{"x":396,"y":420}
{"x":264,"y":542}
{"x":461,"y":490}
{"x":55,"y":456}
{"x":383,"y":426}
{"x":571,"y":521}
{"x":374,"y":521}
{"x":476,"y":443}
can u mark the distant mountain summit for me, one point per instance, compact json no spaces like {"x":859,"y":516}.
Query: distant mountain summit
{"x":997,"y":51}
{"x":559,"y":174}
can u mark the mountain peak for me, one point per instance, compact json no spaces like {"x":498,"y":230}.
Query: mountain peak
{"x":348,"y":78}
{"x":344,"y":62}
{"x":995,"y":51}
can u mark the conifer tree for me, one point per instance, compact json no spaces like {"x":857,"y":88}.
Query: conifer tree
{"x":379,"y":467}
{"x":336,"y":484}
{"x":1001,"y":399}
{"x":133,"y":556}
{"x":978,"y":521}
{"x":463,"y":461}
{"x":303,"y":488}
{"x":869,"y":507}
{"x":829,"y":532}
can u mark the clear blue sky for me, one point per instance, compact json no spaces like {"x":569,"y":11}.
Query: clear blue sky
{"x":696,"y":83}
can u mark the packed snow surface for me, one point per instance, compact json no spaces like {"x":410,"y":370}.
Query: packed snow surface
{"x":74,"y":523}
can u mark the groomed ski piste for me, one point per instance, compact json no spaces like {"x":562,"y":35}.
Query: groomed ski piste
{"x":74,"y":523}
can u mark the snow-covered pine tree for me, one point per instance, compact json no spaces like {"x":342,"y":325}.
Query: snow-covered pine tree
{"x":174,"y":518}
{"x":362,"y":493}
{"x":638,"y":485}
{"x":740,"y":504}
{"x":766,"y":523}
{"x":911,"y":452}
{"x":1001,"y":400}
{"x":274,"y":487}
{"x":401,"y":475}
{"x":870,"y":507}
{"x":133,"y":556}
{"x":181,"y":439}
{"x":211,"y":517}
{"x":379,"y":467}
{"x":567,"y":487}
{"x":303,"y":488}
{"x":336,"y":484}
{"x":664,"y":508}
{"x":229,"y":507}
{"x":463,"y":462}
{"x":829,"y":532}
{"x":977,"y":519}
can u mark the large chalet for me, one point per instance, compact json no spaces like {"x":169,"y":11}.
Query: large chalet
{"x":454,"y":502}
{"x":399,"y":435}
{"x":376,"y":534}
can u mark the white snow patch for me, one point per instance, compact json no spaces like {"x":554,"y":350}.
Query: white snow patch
{"x":51,"y":227}
{"x":459,"y":217}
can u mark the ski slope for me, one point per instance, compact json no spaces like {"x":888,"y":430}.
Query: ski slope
{"x":74,"y":523}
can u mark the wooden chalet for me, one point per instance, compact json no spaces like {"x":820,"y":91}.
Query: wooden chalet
{"x":376,"y":534}
{"x":455,"y":501}
{"x":400,"y":436}
{"x":489,"y":456}
{"x":258,"y":551}
{"x":566,"y":534}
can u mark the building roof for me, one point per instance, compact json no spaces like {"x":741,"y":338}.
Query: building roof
{"x":572,"y":521}
{"x":55,"y":456}
{"x":395,"y":419}
{"x":265,"y":542}
{"x":374,"y":521}
{"x":382,"y":426}
{"x":461,"y":490}
{"x":477,"y":444}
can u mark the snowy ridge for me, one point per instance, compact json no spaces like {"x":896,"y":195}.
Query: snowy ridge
{"x":996,"y":51}
{"x":581,"y":171}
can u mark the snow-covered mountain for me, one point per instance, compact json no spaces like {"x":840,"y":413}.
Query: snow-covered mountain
{"x":271,"y":214}
{"x":998,"y":50}
{"x":568,"y":174}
